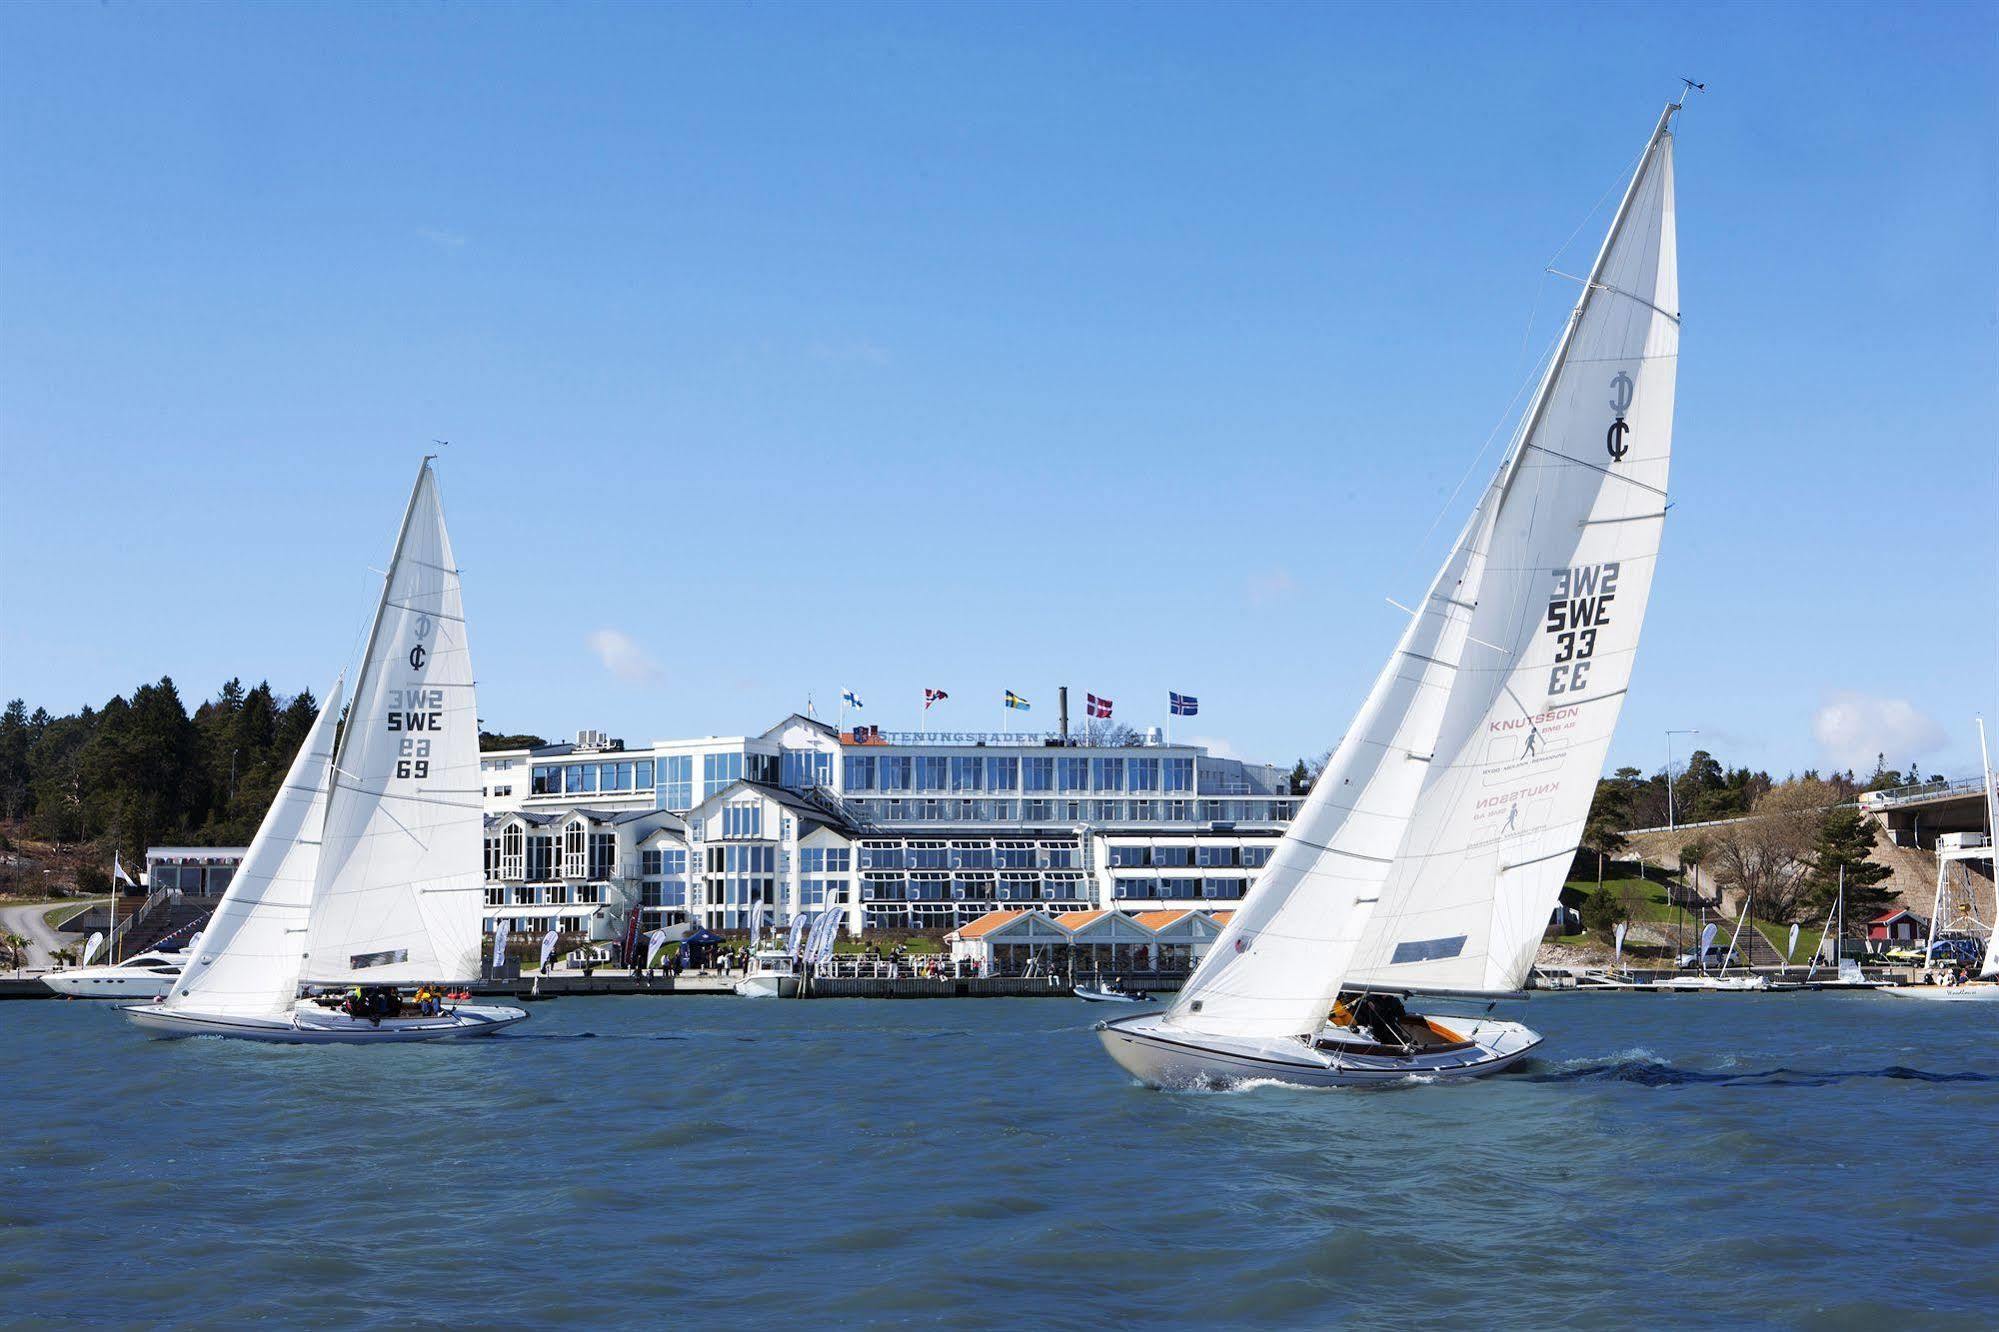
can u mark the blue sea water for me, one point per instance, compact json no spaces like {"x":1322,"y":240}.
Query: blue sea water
{"x":1692,"y":1160}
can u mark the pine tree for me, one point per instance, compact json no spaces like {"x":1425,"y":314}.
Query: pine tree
{"x":15,"y":789}
{"x":1845,"y":838}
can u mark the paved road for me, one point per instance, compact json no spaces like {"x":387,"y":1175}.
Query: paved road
{"x":27,"y":921}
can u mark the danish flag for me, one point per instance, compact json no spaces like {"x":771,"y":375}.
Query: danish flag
{"x":1097,"y":707}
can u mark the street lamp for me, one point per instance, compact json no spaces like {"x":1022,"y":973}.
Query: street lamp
{"x":1669,"y":774}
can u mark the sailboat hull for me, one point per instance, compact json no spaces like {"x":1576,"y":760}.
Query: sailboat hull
{"x":1171,"y":1059}
{"x":1972,"y":992}
{"x":324,"y":1027}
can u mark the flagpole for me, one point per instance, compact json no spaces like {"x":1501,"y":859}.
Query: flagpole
{"x":111,"y":910}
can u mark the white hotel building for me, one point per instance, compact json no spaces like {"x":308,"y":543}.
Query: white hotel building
{"x":901,"y":830}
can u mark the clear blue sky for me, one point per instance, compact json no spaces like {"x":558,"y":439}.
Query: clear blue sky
{"x":785,"y":348}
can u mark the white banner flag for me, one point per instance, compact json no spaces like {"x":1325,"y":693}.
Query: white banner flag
{"x":95,"y":942}
{"x":1794,"y":944}
{"x":655,"y":945}
{"x":1617,"y":958}
{"x":499,"y":943}
{"x":547,"y":948}
{"x":118,"y":873}
{"x":798,"y":923}
{"x":1707,"y":941}
{"x":756,"y":926}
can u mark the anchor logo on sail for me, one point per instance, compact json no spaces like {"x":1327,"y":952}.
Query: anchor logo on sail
{"x":1620,"y":403}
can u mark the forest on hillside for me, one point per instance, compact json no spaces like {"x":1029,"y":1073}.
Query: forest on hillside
{"x":145,"y":771}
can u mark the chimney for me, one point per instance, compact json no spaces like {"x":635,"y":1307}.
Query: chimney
{"x":1064,"y":709}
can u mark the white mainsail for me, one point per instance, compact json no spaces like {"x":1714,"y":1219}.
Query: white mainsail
{"x":400,"y":878}
{"x":1575,"y":540}
{"x":247,"y":961}
{"x":1276,"y":968}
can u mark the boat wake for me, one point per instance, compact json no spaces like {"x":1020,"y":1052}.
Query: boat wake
{"x":1649,"y":1072}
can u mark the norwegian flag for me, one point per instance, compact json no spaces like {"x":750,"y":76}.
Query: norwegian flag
{"x":1097,"y":707}
{"x":932,"y":696}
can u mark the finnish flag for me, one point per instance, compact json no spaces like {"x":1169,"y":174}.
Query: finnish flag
{"x":850,"y":698}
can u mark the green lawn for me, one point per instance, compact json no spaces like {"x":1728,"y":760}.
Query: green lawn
{"x":1645,"y":899}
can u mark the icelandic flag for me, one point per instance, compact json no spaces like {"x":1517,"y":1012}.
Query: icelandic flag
{"x":1097,"y":707}
{"x":849,"y":698}
{"x":1184,"y":705}
{"x":931,"y":696}
{"x":1014,"y":700}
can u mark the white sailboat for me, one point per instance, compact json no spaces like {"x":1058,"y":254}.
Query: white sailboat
{"x":366,"y":871}
{"x":1432,"y":849}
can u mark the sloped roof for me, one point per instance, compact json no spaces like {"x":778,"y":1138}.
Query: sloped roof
{"x":987,"y":923}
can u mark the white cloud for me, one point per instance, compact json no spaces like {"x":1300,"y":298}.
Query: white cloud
{"x":1214,"y":744}
{"x":1853,"y":728}
{"x":1271,"y":585}
{"x":447,"y":240}
{"x":624,"y":658}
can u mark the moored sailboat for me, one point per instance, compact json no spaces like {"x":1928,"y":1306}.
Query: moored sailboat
{"x":366,"y":870}
{"x":1431,"y":850}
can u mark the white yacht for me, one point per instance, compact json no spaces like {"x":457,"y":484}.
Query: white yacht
{"x":1428,"y":856}
{"x":144,"y":976}
{"x":365,"y":872}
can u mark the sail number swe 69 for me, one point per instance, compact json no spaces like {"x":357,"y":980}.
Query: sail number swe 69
{"x":412,"y":710}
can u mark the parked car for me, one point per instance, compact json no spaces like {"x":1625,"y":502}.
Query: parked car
{"x":1717,"y":956}
{"x":1957,"y":952}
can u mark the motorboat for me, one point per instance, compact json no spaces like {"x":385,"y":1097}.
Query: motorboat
{"x":142,"y":976}
{"x":1111,"y":994}
{"x":366,"y":871}
{"x":772,"y":973}
{"x":1422,"y":867}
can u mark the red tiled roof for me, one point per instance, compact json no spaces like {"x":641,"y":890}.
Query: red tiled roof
{"x":987,"y":923}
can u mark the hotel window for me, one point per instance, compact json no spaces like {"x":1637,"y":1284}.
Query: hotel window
{"x":860,"y":773}
{"x":545,"y":780}
{"x":589,"y":894}
{"x":1128,"y":855}
{"x":1216,"y":855}
{"x":930,"y":773}
{"x":1107,"y":774}
{"x":1002,"y":774}
{"x":676,"y":776}
{"x":743,"y":818}
{"x":718,"y":771}
{"x":892,"y":772}
{"x":643,"y":781}
{"x":1254,"y":856}
{"x":1173,"y":857}
{"x":524,"y":896}
{"x":1180,"y":774}
{"x":496,"y":897}
{"x":1144,"y":774}
{"x":649,"y":867}
{"x":603,"y":855}
{"x":1073,"y":774}
{"x":511,"y":866}
{"x":492,"y":857}
{"x":573,"y":848}
{"x":541,"y":857}
{"x":557,"y":895}
{"x":968,"y":774}
{"x":1039,"y":773}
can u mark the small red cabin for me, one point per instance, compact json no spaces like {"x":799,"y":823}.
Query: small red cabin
{"x":1893,"y":927}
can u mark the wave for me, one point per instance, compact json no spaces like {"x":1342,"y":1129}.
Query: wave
{"x":1650,"y":1072}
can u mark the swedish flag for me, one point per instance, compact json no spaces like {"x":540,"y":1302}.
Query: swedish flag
{"x":1014,"y":700}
